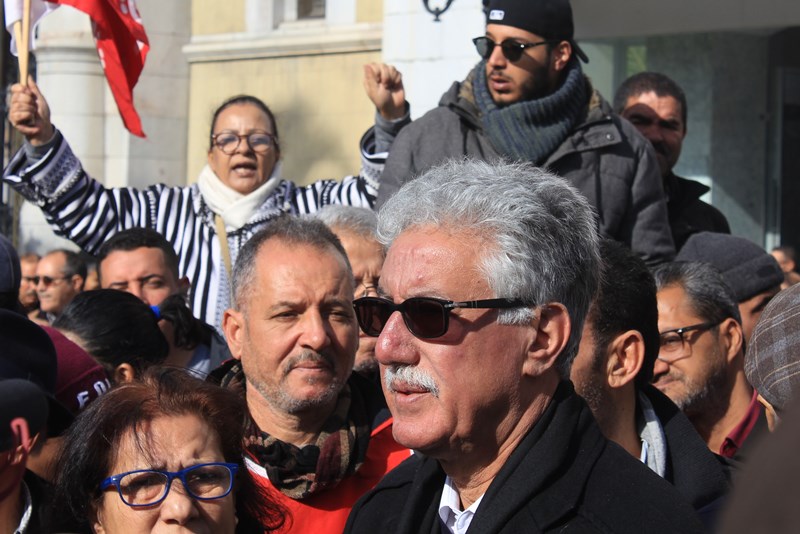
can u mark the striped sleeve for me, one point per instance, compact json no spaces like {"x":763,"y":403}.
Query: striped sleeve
{"x":80,"y":208}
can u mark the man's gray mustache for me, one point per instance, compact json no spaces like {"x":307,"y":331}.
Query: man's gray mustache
{"x":411,"y":375}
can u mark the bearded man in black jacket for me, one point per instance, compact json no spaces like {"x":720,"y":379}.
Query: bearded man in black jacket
{"x":613,"y":370}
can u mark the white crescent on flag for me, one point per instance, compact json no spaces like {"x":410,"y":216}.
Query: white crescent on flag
{"x":13,"y":13}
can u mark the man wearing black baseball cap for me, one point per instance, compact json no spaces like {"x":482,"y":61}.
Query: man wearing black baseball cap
{"x":528,"y":100}
{"x":23,"y":413}
{"x":27,"y":355}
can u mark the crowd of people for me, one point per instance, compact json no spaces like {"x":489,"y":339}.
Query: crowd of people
{"x":520,"y":320}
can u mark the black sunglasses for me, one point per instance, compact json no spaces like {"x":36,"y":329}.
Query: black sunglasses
{"x":425,"y":317}
{"x":512,"y":50}
{"x":46,"y":280}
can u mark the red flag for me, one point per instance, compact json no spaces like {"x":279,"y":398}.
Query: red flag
{"x":122,"y":44}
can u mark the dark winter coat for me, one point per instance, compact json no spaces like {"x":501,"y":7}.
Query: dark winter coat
{"x":604,"y":157}
{"x":563,"y":477}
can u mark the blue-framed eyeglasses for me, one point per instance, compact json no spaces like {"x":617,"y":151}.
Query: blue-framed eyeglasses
{"x":148,"y":487}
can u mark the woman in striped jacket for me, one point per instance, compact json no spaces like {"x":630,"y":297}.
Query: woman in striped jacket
{"x":237,"y":193}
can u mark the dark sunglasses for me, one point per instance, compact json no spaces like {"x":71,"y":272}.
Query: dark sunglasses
{"x":425,"y":317}
{"x":512,"y":50}
{"x":46,"y":280}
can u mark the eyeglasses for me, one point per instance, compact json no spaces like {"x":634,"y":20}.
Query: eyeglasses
{"x":148,"y":487}
{"x":512,"y":50}
{"x":674,"y":343}
{"x":369,"y":285}
{"x":228,"y":142}
{"x":425,"y":317}
{"x":46,"y":280}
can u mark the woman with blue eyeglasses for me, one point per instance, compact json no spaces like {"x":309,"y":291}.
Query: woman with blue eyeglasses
{"x":162,"y":455}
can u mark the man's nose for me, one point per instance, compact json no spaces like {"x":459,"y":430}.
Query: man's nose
{"x":660,"y":367}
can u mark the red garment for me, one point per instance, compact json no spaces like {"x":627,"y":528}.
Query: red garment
{"x":327,"y":511}
{"x":122,"y":46}
{"x":734,"y":441}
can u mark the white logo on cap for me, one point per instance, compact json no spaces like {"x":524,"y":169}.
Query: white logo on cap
{"x":497,"y":14}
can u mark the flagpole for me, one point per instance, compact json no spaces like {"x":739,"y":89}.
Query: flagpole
{"x":22,"y":34}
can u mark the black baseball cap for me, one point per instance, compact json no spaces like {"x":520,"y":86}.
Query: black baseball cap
{"x":27,"y":353}
{"x":551,"y":19}
{"x":20,"y":399}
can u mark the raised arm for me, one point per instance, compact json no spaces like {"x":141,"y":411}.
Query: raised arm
{"x":46,"y":172}
{"x":30,"y":114}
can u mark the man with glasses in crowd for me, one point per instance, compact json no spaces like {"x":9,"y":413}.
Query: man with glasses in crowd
{"x":701,"y":362}
{"x":356,"y":228}
{"x":613,"y":370}
{"x":488,"y":276}
{"x":60,"y":275}
{"x":27,"y":288}
{"x":528,"y":100}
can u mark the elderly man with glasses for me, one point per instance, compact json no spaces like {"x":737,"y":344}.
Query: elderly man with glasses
{"x":700,"y":365}
{"x":356,"y":228}
{"x":528,"y":100}
{"x":487,"y":280}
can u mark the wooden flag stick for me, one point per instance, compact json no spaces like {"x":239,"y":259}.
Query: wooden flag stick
{"x":22,"y":35}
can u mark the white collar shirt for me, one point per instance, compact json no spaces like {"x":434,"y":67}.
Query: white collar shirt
{"x":456,"y":520}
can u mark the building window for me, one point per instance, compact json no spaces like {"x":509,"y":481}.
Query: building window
{"x":310,"y":9}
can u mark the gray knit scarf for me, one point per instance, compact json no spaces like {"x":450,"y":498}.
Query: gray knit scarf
{"x":531,"y":130}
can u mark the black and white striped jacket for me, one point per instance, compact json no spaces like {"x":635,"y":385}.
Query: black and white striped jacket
{"x":82,"y":210}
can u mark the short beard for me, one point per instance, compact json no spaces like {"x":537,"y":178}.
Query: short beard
{"x":707,"y":398}
{"x":594,"y":391}
{"x":281,"y":400}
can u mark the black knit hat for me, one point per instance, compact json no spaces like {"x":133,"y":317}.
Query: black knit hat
{"x":747,"y":268}
{"x":550,"y":19}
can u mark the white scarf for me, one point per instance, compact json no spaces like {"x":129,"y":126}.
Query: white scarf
{"x":234,"y":207}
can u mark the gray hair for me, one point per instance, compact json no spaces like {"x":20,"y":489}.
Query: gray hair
{"x":543,"y":242}
{"x":709,"y":296}
{"x":361,"y":221}
{"x":288,"y":229}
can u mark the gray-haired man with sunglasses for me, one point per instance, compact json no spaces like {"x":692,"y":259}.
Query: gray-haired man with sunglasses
{"x":701,"y":362}
{"x":487,"y":279}
{"x":528,"y":100}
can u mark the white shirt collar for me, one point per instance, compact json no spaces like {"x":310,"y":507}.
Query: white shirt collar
{"x":456,"y":520}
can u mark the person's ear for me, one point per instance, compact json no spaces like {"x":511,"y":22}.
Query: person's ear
{"x":625,"y":359}
{"x":77,"y":282}
{"x":560,"y":55}
{"x":124,"y":373}
{"x":97,"y":522}
{"x":233,"y":326}
{"x":551,"y":328}
{"x":184,"y":285}
{"x":731,"y":336}
{"x":21,"y":453}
